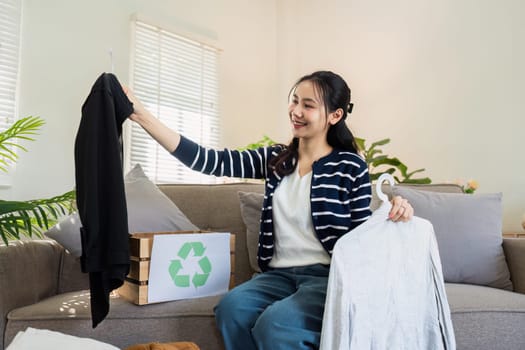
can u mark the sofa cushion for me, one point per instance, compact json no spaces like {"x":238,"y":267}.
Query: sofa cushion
{"x":468,"y":232}
{"x":251,"y":205}
{"x":470,"y":298}
{"x":149,"y":210}
{"x":70,"y":313}
{"x":486,"y":318}
{"x":76,"y":305}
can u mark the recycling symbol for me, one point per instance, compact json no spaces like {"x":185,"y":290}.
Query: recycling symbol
{"x":199,"y":278}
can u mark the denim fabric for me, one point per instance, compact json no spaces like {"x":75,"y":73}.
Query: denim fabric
{"x":278,"y":309}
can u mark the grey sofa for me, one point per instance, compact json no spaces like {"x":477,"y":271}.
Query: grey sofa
{"x":42,"y":287}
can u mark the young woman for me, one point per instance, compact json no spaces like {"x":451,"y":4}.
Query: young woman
{"x":317,"y":189}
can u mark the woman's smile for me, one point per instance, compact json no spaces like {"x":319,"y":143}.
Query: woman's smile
{"x":297,"y":124}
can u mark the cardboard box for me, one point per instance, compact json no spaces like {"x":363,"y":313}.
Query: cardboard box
{"x":135,"y":287}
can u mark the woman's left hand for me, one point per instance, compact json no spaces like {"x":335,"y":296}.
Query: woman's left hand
{"x":401,"y":210}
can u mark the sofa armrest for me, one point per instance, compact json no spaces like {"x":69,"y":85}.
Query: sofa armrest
{"x":514,"y":249}
{"x":29,"y":271}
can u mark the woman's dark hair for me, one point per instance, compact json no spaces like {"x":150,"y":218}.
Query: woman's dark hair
{"x":335,"y":94}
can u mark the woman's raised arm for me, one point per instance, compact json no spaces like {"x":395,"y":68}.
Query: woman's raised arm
{"x":166,"y":137}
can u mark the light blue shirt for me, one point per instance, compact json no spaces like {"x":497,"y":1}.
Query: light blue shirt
{"x":386,"y":289}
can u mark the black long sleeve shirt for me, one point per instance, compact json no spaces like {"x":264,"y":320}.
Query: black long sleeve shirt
{"x":101,"y":198}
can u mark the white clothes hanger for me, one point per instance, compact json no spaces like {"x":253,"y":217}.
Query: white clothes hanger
{"x":384,"y":177}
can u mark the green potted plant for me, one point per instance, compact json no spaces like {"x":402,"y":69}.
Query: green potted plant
{"x":379,"y":163}
{"x":27,"y":218}
{"x":264,"y":142}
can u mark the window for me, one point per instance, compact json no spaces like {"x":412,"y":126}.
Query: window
{"x":177,"y":80}
{"x":10,"y":12}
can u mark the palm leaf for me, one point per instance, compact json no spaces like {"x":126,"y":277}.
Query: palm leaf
{"x":31,"y":218}
{"x":22,"y":129}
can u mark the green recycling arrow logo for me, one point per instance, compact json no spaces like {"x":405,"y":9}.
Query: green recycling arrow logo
{"x":198,"y":279}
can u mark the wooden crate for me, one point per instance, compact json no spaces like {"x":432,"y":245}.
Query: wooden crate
{"x":135,"y":287}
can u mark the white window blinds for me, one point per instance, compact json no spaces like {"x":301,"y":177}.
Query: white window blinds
{"x":10,"y":12}
{"x":177,"y":80}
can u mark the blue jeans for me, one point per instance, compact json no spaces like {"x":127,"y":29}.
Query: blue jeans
{"x":277,"y":309}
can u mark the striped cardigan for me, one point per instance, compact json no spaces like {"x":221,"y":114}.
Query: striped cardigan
{"x":340,"y":191}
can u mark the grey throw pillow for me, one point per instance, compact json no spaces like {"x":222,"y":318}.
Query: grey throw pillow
{"x":468,"y":232}
{"x":251,"y":205}
{"x":149,"y":210}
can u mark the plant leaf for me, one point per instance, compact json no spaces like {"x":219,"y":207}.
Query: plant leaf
{"x":360,"y":143}
{"x":32,"y":217}
{"x":409,"y":175}
{"x":21,"y":129}
{"x":422,"y":181}
{"x":377,"y":161}
{"x":379,"y":143}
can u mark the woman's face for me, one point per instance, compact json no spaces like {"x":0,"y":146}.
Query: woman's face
{"x":307,"y":112}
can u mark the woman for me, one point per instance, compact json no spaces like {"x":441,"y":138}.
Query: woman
{"x":316,"y":190}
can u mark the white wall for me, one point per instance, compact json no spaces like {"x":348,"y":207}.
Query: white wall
{"x":65,"y":48}
{"x":442,"y":79}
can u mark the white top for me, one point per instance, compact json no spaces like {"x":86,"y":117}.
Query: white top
{"x":386,"y":289}
{"x":295,"y":240}
{"x":43,"y":339}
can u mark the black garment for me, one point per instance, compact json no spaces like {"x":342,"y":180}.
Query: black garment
{"x":101,"y":198}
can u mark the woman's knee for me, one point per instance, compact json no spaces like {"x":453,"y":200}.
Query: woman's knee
{"x":227,"y":308}
{"x":272,"y":321}
{"x":288,"y":329}
{"x":238,"y":306}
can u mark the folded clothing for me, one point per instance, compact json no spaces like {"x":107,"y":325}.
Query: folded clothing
{"x":44,"y":339}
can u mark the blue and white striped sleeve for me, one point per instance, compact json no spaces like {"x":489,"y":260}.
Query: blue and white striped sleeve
{"x":361,"y":196}
{"x":232,"y":163}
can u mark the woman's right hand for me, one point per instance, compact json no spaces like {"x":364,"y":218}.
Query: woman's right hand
{"x":169,"y":139}
{"x":139,"y":111}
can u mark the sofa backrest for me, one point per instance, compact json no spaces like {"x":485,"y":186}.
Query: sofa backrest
{"x":445,"y":188}
{"x":217,"y":208}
